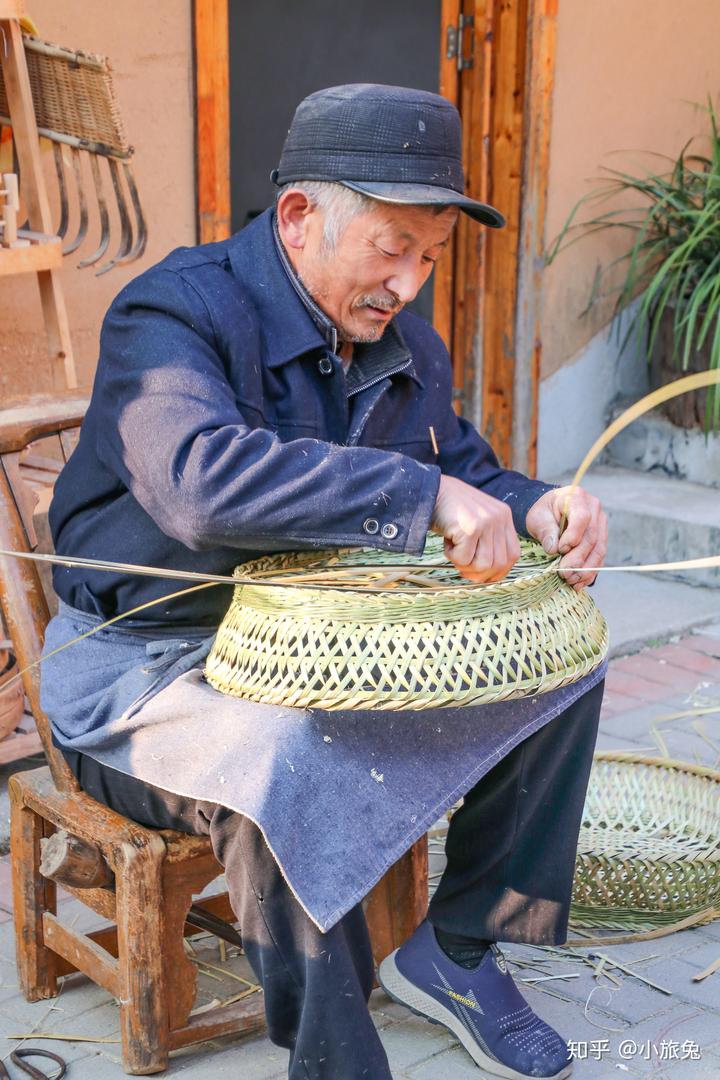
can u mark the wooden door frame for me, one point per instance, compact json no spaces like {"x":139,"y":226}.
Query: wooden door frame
{"x":211,"y":48}
{"x":505,"y":100}
{"x":489,"y":289}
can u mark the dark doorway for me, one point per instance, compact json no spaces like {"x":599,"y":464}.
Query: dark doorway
{"x":282,"y":50}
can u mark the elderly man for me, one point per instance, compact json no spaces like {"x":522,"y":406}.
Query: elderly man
{"x":270,"y":393}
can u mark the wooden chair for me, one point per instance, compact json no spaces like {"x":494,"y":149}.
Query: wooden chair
{"x":141,"y":880}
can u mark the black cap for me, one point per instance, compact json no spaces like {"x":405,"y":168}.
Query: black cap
{"x":391,"y":143}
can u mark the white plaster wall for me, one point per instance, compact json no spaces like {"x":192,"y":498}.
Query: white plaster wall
{"x":576,"y":400}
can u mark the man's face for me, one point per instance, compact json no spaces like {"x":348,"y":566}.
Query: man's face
{"x":379,"y":264}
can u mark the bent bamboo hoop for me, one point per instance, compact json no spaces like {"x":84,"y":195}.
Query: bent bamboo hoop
{"x":649,"y":845}
{"x":415,"y":648}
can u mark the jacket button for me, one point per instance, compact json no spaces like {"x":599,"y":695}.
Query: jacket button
{"x":371,"y":526}
{"x":326,"y":366}
{"x":389,"y":530}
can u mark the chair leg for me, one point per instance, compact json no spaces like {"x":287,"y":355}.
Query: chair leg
{"x":398,"y":903}
{"x":143,"y":1005}
{"x":181,"y":881}
{"x":32,"y":896}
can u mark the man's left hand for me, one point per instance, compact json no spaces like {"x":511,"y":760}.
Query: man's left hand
{"x":583,"y":541}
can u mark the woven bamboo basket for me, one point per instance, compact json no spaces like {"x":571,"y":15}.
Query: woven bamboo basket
{"x":73,"y":95}
{"x":649,"y":845}
{"x":401,"y":632}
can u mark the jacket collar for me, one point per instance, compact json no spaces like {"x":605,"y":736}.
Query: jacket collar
{"x":285,"y":323}
{"x":326,"y":327}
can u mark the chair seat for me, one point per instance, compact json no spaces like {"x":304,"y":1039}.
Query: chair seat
{"x":83,"y":816}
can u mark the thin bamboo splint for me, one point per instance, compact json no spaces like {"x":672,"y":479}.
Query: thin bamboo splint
{"x":407,"y":645}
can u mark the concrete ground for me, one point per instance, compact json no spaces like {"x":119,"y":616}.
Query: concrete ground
{"x":667,"y":1031}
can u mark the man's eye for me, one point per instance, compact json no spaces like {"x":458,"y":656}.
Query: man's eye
{"x":390,"y":254}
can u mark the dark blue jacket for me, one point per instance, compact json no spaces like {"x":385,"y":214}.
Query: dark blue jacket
{"x":215,"y":433}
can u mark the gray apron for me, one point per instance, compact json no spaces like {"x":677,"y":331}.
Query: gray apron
{"x":339,"y":796}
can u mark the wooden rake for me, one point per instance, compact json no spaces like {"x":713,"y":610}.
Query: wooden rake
{"x":76,"y":108}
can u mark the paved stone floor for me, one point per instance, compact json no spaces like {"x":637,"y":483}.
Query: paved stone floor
{"x":619,"y":1026}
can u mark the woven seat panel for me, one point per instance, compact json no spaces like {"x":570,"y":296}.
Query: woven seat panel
{"x":649,"y":845}
{"x":426,"y":641}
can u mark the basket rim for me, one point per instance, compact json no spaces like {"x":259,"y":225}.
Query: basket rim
{"x":291,"y":577}
{"x":637,"y":757}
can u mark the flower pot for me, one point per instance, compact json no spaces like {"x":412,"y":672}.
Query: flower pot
{"x":688,"y":410}
{"x":12,"y":701}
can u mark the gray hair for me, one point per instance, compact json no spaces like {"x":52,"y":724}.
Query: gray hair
{"x":340,"y":205}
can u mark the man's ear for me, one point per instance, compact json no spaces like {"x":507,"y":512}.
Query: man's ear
{"x":293,"y":209}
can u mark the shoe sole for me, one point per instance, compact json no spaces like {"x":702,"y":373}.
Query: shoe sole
{"x":400,"y":989}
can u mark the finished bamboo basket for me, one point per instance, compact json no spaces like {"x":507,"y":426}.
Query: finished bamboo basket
{"x":370,"y":629}
{"x":649,"y":845}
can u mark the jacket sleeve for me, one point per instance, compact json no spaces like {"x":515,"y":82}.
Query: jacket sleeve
{"x":467,"y":456}
{"x":174,"y":435}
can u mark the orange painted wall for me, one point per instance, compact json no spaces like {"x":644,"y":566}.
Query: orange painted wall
{"x":150,"y":48}
{"x":625,"y":72}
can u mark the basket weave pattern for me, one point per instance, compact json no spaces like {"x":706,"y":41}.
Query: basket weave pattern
{"x":73,"y":95}
{"x":649,"y":845}
{"x":429,"y":640}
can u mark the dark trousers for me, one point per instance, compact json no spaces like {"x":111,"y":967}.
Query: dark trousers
{"x":511,"y":853}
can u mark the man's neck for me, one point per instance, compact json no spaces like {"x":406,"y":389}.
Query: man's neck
{"x":324,"y":324}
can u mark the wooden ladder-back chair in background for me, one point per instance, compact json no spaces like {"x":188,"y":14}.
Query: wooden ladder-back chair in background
{"x":141,"y":880}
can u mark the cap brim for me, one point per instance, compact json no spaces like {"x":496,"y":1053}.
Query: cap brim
{"x":427,"y":195}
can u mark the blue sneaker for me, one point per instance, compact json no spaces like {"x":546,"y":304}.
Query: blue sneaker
{"x":482,"y":1006}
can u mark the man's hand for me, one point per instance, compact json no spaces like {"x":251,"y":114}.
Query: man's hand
{"x":583,"y":541}
{"x":480,"y":537}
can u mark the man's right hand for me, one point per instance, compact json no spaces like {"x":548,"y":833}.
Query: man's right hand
{"x":480,"y":538}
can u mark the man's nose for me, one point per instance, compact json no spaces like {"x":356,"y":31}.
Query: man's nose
{"x":406,"y":282}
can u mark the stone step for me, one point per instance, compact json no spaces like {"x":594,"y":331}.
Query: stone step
{"x":653,"y":444}
{"x":656,"y":518}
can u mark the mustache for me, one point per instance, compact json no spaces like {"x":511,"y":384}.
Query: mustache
{"x":382,"y":303}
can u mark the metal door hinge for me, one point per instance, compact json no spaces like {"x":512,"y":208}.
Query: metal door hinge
{"x":455,"y":42}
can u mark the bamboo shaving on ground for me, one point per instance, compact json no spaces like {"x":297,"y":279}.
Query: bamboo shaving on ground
{"x":222,"y":972}
{"x":61,"y":1037}
{"x":218,"y":1003}
{"x":598,"y":962}
{"x":709,"y":970}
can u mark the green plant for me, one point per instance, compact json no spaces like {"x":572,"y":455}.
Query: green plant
{"x":673,"y":264}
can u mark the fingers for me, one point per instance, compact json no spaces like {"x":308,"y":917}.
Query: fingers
{"x":581,"y":517}
{"x":590,"y":549}
{"x":497,"y":551}
{"x":480,"y":538}
{"x":541,"y":520}
{"x":596,"y":557}
{"x":476,"y":557}
{"x":461,"y":548}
